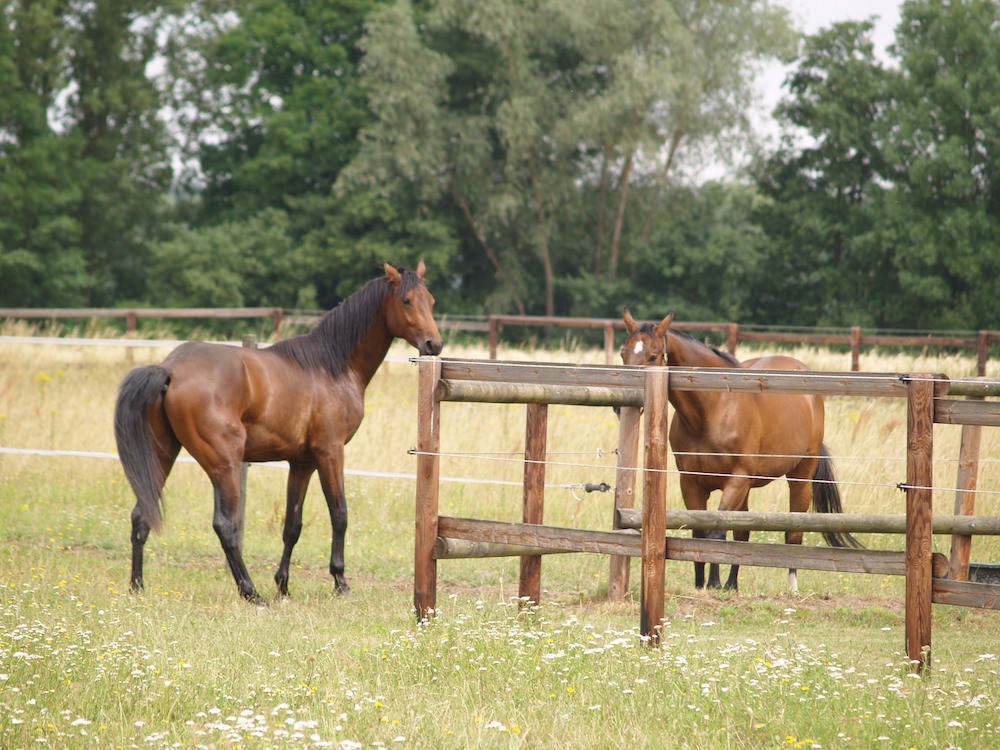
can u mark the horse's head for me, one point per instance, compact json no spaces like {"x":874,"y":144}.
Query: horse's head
{"x":410,"y":312}
{"x":646,"y":343}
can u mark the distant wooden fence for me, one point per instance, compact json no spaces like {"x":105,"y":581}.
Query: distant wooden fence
{"x":929,"y":577}
{"x":493,"y":325}
{"x":734,"y":333}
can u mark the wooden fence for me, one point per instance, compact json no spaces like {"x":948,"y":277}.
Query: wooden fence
{"x":930,"y":578}
{"x":853,"y":338}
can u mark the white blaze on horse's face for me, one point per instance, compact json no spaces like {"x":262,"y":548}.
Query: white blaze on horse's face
{"x":638,"y":347}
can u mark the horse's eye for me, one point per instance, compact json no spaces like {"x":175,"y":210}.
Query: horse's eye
{"x":652,"y":358}
{"x":407,"y":301}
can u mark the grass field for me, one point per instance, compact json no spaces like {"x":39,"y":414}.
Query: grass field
{"x":83,"y":663}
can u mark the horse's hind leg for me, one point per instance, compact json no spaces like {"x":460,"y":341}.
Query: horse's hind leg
{"x":799,"y":500}
{"x":298,"y":483}
{"x":167,"y":449}
{"x":226,"y":522}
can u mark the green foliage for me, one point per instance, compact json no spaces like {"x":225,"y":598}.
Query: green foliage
{"x":534,"y":155}
{"x":527,"y":122}
{"x":274,"y":100}
{"x":251,"y":263}
{"x":82,"y":151}
{"x":889,"y":215}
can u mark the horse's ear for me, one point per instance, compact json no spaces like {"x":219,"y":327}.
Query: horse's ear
{"x":661,"y":329}
{"x":630,"y":324}
{"x":421,"y":268}
{"x":393,"y":274}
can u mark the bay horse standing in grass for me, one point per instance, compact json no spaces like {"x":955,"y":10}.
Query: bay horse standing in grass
{"x":300,"y":400}
{"x":737,"y":441}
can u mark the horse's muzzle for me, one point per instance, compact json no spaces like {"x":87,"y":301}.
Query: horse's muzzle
{"x":430,"y":347}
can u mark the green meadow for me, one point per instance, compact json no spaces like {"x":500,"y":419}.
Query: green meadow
{"x":84,"y":663}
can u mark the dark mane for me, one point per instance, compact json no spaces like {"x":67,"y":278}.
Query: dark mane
{"x":729,"y":358}
{"x":330,"y":344}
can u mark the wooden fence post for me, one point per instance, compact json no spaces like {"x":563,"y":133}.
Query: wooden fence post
{"x":427,"y":491}
{"x":855,"y":348}
{"x":919,"y":509}
{"x":965,"y":499}
{"x":654,"y":504}
{"x":494,"y":335}
{"x":628,"y":461}
{"x":609,"y":344}
{"x":535,"y":434}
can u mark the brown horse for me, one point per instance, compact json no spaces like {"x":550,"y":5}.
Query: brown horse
{"x":737,"y":441}
{"x":300,"y":400}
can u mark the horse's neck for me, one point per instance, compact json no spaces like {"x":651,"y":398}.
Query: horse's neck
{"x":370,"y":352}
{"x":695,"y":408}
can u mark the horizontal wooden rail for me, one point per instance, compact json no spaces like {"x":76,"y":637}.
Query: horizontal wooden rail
{"x":548,"y":539}
{"x":144,"y":312}
{"x":537,"y":393}
{"x":722,"y":520}
{"x":965,"y":594}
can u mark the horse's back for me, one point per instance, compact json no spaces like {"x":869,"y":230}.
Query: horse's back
{"x":774,"y":362}
{"x":789,"y":423}
{"x":272,"y":406}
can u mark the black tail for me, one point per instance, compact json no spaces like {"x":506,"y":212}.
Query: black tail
{"x":140,"y":389}
{"x":826,"y":499}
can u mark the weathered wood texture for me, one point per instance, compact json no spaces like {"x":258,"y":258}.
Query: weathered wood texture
{"x":548,"y":537}
{"x":919,"y":511}
{"x":965,"y":499}
{"x":709,"y":520}
{"x":428,"y":487}
{"x":965,"y":594}
{"x":654,"y":504}
{"x":535,"y":435}
{"x":468,"y":537}
{"x":625,"y":480}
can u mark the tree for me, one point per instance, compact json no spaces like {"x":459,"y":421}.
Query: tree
{"x":888,"y":215}
{"x":504,"y":112}
{"x":942,"y":216}
{"x":269,"y":99}
{"x":821,"y":184}
{"x":251,"y":263}
{"x":83,"y":163}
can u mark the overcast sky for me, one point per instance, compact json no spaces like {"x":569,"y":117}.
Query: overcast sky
{"x":809,"y":16}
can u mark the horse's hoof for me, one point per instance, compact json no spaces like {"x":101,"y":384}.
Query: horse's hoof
{"x":136,"y":587}
{"x":342,"y":589}
{"x":256,"y":600}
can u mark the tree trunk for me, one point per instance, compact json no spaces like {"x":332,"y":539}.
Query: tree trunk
{"x":647,"y":228}
{"x":620,"y":218}
{"x":602,"y":212}
{"x":488,"y":249}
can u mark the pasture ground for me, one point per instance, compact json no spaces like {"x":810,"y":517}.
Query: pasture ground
{"x":83,"y":663}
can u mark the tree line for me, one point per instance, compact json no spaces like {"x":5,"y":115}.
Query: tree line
{"x":542,"y":158}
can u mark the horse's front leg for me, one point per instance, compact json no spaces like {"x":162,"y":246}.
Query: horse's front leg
{"x":331,"y":475}
{"x":695,"y":498}
{"x":298,"y":483}
{"x":735,"y":496}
